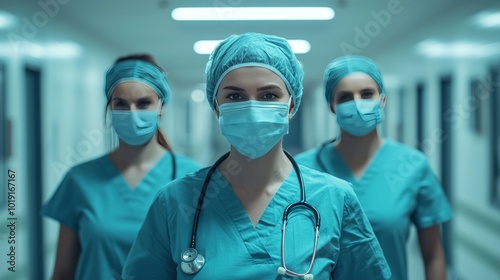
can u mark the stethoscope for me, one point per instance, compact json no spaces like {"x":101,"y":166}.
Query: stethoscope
{"x":174,"y":165}
{"x":193,"y":261}
{"x":320,"y":150}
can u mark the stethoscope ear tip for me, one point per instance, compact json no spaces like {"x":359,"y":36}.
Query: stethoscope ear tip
{"x":308,"y":277}
{"x":281,"y":270}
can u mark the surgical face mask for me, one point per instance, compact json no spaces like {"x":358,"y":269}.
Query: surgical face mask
{"x":135,"y":127}
{"x":253,"y":128}
{"x":359,"y":117}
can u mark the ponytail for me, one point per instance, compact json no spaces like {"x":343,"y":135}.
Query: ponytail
{"x":162,"y":139}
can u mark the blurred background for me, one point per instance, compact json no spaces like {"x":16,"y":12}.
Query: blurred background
{"x":440,"y":61}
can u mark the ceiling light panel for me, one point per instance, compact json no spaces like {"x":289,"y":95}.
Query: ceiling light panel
{"x":252,"y":13}
{"x":207,"y":46}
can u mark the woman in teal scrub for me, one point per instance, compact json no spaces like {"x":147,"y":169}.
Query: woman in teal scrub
{"x":102,"y":203}
{"x":394,"y":183}
{"x":255,"y":214}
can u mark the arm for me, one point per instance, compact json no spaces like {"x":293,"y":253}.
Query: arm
{"x":432,"y":253}
{"x":150,"y":256}
{"x":360,"y":255}
{"x":68,"y":252}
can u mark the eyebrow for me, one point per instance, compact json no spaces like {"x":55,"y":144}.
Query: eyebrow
{"x":363,"y":89}
{"x":266,"y":87}
{"x":233,"y":88}
{"x":145,"y":98}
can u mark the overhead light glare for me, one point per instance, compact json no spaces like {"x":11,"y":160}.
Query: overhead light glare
{"x":207,"y":46}
{"x":7,"y":20}
{"x":198,"y":95}
{"x":253,"y":13}
{"x":63,"y":50}
{"x":488,"y":19}
{"x":461,"y":49}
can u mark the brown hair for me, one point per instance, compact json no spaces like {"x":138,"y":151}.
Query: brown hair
{"x":160,"y":136}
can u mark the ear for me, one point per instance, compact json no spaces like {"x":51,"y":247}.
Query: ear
{"x":217,"y":114}
{"x":161,"y":110}
{"x":331,"y":107}
{"x":292,"y":107}
{"x":382,"y":101}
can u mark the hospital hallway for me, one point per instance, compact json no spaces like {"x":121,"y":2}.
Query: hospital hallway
{"x":440,"y":63}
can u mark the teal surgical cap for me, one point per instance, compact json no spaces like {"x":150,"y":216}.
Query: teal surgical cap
{"x":346,"y":65}
{"x":138,"y":71}
{"x":255,"y":49}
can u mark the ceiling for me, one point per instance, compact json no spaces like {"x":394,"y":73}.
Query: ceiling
{"x":130,"y":26}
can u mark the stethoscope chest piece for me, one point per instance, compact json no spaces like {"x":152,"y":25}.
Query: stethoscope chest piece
{"x":192,"y":262}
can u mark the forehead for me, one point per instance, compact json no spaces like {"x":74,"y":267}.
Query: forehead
{"x":133,"y":90}
{"x":356,"y":81}
{"x":250,"y":77}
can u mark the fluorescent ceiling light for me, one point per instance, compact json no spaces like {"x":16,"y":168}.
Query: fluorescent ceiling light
{"x":254,"y":13}
{"x":198,"y":95}
{"x":52,"y":50}
{"x":488,"y":19}
{"x":63,"y":50}
{"x":7,"y":20}
{"x":207,"y":46}
{"x":461,"y":49}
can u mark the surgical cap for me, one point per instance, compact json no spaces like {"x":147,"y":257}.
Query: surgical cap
{"x":346,"y":65}
{"x":138,"y":71}
{"x":255,"y":49}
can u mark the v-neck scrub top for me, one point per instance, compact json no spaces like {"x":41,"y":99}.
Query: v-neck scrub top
{"x":397,"y":189}
{"x":95,"y":200}
{"x":234,"y":249}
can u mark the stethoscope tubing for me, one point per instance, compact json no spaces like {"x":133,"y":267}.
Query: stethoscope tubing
{"x":199,"y":205}
{"x":288,"y":209}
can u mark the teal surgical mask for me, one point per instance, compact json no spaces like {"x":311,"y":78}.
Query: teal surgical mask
{"x":135,"y":127}
{"x":359,"y":117}
{"x":253,"y":128}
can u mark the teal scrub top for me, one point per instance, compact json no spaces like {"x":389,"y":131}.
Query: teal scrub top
{"x":96,"y":201}
{"x":397,"y":189}
{"x":234,"y":249}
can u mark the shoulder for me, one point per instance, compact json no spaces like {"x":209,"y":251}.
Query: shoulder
{"x":405,"y":152}
{"x":321,"y":182}
{"x":401,"y":147}
{"x":179,"y":197}
{"x":182,"y":159}
{"x":308,"y":158}
{"x":89,"y":166}
{"x":187,"y":164}
{"x":186,"y":186}
{"x":311,"y":153}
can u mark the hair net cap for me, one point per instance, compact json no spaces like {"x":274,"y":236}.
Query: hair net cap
{"x":255,"y":49}
{"x":343,"y":66}
{"x":138,"y":71}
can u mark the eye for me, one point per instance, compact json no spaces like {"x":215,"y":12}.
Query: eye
{"x":143,"y":104}
{"x":119,"y":104}
{"x":269,"y":96}
{"x":367,"y":94}
{"x":234,"y":97}
{"x":344,"y":98}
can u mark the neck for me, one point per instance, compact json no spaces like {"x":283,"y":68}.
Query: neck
{"x":359,"y":148}
{"x":127,"y":155}
{"x":243,"y":172}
